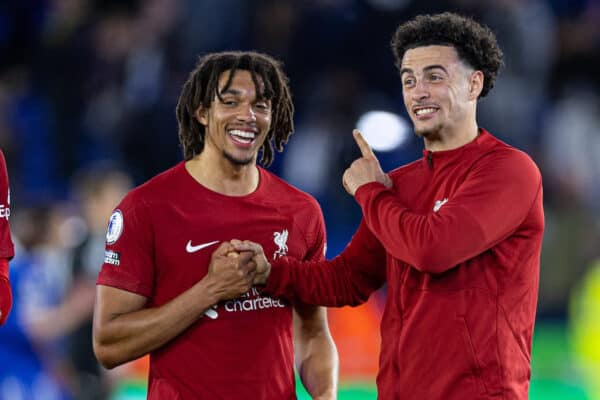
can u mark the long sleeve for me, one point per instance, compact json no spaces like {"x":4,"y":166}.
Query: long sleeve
{"x":490,"y":204}
{"x":348,"y":279}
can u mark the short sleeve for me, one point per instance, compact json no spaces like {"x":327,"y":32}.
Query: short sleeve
{"x":128,"y":257}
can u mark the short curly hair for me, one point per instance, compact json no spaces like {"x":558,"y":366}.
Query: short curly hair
{"x":475,"y":43}
{"x":202,"y":86}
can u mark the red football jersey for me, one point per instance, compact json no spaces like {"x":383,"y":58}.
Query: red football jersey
{"x":6,"y":245}
{"x":159,"y":242}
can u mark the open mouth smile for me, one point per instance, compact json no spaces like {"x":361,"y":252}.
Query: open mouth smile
{"x":242,"y":137}
{"x":423,"y":112}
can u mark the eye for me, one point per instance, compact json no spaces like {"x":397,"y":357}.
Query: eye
{"x":410,"y":81}
{"x":436,"y":77}
{"x":263,"y":106}
{"x":229,"y":102}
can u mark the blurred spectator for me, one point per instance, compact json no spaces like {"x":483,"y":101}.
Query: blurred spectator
{"x":99,"y":189}
{"x":57,"y":269}
{"x":34,"y":363}
{"x":571,"y":150}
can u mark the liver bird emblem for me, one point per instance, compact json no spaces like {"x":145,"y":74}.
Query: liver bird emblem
{"x":280,"y":239}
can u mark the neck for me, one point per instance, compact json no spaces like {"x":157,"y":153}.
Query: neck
{"x":222,"y":176}
{"x":453,"y":138}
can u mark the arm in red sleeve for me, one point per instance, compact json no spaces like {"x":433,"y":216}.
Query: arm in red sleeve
{"x":491,"y":203}
{"x":6,"y":245}
{"x":5,"y":292}
{"x":348,"y":279}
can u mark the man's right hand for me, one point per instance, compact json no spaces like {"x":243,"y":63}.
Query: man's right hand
{"x":262,"y":266}
{"x":126,"y":327}
{"x":231,"y":272}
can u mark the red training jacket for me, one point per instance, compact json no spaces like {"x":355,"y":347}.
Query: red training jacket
{"x":458,"y":240}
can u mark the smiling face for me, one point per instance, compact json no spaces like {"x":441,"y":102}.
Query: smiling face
{"x":440,"y":91}
{"x":237,"y":123}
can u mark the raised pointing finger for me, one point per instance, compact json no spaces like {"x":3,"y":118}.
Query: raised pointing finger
{"x":364,"y":147}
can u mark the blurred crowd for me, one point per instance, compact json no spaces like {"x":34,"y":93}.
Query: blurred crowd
{"x":87,"y":96}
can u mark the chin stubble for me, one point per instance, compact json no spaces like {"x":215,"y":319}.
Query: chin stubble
{"x":428,"y":133}
{"x":236,"y":161}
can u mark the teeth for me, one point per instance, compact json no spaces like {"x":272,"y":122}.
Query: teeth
{"x":242,"y":134}
{"x":422,"y":111}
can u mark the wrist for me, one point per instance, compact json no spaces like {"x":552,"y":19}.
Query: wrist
{"x":263,"y":277}
{"x":209,"y":291}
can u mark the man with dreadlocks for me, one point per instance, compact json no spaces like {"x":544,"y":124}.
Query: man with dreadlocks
{"x":456,"y":234}
{"x":209,"y":333}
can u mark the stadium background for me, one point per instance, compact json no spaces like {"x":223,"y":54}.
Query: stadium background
{"x":92,"y":85}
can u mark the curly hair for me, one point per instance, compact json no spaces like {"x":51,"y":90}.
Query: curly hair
{"x":475,"y":44}
{"x":202,"y":86}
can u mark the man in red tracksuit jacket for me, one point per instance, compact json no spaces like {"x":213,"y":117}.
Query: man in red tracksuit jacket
{"x":456,"y":235}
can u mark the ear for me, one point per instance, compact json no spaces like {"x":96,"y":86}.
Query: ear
{"x":201,"y":115}
{"x":475,"y":85}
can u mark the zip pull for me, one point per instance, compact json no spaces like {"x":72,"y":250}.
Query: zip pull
{"x":430,"y":159}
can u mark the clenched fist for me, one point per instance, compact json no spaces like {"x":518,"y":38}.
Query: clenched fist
{"x":231,"y":273}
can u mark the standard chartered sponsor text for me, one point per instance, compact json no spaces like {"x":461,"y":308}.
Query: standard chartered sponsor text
{"x":251,"y":304}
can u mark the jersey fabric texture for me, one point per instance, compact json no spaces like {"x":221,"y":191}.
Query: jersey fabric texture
{"x":162,"y":246}
{"x":458,"y":240}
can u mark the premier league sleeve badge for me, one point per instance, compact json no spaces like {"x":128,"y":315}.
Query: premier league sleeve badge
{"x":115,"y":227}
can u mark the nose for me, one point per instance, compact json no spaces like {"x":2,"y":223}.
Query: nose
{"x":420,"y":90}
{"x":247,"y":113}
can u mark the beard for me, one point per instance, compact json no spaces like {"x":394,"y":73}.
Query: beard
{"x":237,"y":161}
{"x":429,"y":132}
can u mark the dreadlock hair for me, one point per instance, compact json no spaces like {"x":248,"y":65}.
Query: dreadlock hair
{"x":202,"y":86}
{"x":475,"y":43}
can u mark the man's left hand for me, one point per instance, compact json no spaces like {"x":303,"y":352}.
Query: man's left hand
{"x":262,"y":268}
{"x":365,"y":169}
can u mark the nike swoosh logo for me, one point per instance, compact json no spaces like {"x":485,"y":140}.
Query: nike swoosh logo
{"x":192,"y":249}
{"x":439,"y":204}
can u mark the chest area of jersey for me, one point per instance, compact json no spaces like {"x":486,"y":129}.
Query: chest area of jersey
{"x":430,"y":190}
{"x":187,"y":237}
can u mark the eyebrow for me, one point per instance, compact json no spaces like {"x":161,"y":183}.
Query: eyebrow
{"x":234,"y":92}
{"x":427,"y":68}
